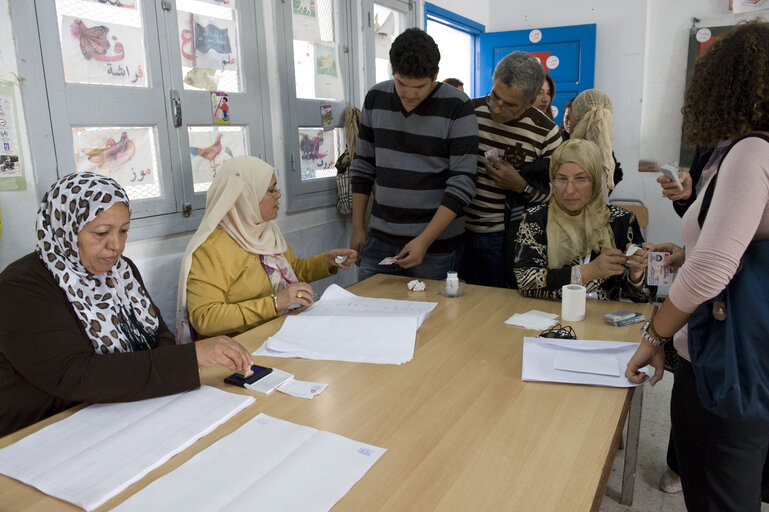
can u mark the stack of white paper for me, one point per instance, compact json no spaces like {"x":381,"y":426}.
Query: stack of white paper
{"x":599,"y":363}
{"x":97,"y":452}
{"x":344,"y":327}
{"x":534,"y":320}
{"x":267,"y":464}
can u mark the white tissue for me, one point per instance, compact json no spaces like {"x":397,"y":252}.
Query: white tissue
{"x":340,"y":259}
{"x":416,"y":285}
{"x":573,"y":303}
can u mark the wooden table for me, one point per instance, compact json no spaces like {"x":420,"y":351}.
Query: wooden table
{"x":462,"y":431}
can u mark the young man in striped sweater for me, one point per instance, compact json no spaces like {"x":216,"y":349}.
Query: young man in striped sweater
{"x":417,"y":141}
{"x":522,"y":137}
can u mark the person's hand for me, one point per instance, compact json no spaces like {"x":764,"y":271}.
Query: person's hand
{"x":223,"y":351}
{"x":609,"y":263}
{"x":357,"y":241}
{"x":412,"y":253}
{"x":504,"y":175}
{"x":350,"y":256}
{"x":646,"y":354}
{"x":295,"y":293}
{"x":637,"y":263}
{"x":671,"y":190}
{"x":676,"y":257}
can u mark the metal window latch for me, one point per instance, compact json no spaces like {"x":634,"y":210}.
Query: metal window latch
{"x":176,"y":108}
{"x":166,"y":5}
{"x":187,"y":209}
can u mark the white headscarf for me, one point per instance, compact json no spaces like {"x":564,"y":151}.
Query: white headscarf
{"x":593,"y":108}
{"x":113,"y":308}
{"x":232,"y":204}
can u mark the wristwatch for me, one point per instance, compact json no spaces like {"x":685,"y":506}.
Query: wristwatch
{"x":647,"y":333}
{"x":528,"y":190}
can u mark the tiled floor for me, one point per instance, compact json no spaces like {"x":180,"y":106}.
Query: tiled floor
{"x":655,"y":427}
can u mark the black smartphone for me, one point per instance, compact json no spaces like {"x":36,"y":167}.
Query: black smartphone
{"x":236,"y":379}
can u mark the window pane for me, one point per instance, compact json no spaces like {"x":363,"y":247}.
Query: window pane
{"x":210,"y":46}
{"x":388,"y":24}
{"x":210,"y":147}
{"x":316,"y":53}
{"x":459,"y":45}
{"x":319,"y":150}
{"x":126,"y":154}
{"x":102,"y":43}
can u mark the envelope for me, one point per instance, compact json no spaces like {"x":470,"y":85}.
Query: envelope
{"x":591,"y":362}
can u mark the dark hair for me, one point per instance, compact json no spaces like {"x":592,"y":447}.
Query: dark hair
{"x":414,"y":54}
{"x":455,"y":82}
{"x":728,"y":94}
{"x":551,"y":83}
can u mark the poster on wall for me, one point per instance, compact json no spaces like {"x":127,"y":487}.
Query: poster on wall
{"x":210,"y":148}
{"x":328,"y":83}
{"x":305,"y":20}
{"x":102,"y":53}
{"x":11,"y":162}
{"x":208,"y":43}
{"x":124,"y":154}
{"x":749,"y":5}
{"x":316,"y":150}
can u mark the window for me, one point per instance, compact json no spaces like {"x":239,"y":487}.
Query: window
{"x":156,"y":95}
{"x":318,"y":52}
{"x":456,"y":37}
{"x":388,"y":19}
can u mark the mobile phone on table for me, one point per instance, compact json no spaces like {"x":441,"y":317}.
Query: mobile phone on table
{"x":237,"y":379}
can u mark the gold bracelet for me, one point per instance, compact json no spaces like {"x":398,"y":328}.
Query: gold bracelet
{"x":275,"y":305}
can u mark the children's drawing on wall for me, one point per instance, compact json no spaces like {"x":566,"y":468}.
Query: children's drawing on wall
{"x":305,"y":20}
{"x":210,"y":148}
{"x":125,"y":4}
{"x":327,"y":81}
{"x":208,"y":43}
{"x":127,"y":155}
{"x":749,"y":5}
{"x":100,"y":53}
{"x":316,"y":149}
{"x":220,"y":107}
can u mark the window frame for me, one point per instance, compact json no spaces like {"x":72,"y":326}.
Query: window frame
{"x":474,"y":29}
{"x":41,"y":105}
{"x":320,"y":192}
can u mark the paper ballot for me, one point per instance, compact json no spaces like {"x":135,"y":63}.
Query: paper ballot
{"x":97,"y":452}
{"x":286,"y":467}
{"x":344,"y":327}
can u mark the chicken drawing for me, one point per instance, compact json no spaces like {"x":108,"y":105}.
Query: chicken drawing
{"x":209,"y":152}
{"x":113,"y":154}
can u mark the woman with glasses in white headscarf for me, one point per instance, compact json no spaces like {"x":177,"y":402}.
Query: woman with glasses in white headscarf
{"x":238,"y":271}
{"x":576,"y":238}
{"x":76,"y":322}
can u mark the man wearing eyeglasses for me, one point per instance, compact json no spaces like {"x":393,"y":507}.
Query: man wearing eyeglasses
{"x":417,"y":142}
{"x":515,"y":142}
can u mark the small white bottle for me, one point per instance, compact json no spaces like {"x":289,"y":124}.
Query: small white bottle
{"x":452,"y":284}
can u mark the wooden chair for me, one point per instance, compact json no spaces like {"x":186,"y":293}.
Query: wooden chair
{"x":637,"y":207}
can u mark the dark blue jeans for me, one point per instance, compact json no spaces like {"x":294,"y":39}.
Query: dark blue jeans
{"x":482,"y":259}
{"x":433,"y":266}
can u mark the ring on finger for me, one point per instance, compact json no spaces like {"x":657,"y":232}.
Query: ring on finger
{"x":299,"y":295}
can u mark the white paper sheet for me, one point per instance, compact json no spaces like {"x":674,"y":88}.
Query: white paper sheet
{"x":534,"y":320}
{"x":540,"y":355}
{"x":97,"y":452}
{"x":267,"y":464}
{"x":344,"y":327}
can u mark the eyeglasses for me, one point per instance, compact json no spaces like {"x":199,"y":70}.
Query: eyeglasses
{"x":577,"y":182}
{"x":492,"y":101}
{"x":274,"y":192}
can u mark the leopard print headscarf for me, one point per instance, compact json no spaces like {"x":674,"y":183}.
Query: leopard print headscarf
{"x":114,"y":309}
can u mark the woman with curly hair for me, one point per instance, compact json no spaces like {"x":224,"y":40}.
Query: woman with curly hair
{"x":722,"y":460}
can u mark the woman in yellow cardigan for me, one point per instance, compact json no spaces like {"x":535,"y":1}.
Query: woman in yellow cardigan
{"x":238,"y":271}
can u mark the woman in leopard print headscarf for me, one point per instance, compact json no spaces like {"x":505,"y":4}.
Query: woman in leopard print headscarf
{"x":76,"y":322}
{"x":113,"y":306}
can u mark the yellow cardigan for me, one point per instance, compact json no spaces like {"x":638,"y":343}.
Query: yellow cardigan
{"x":228,"y":291}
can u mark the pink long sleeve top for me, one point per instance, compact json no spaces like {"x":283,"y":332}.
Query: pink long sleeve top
{"x":738,"y":214}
